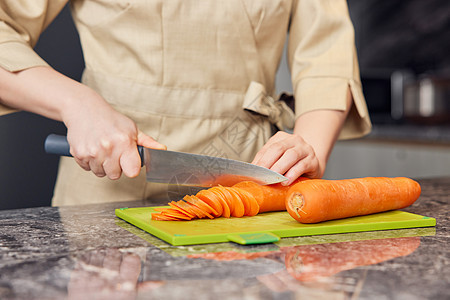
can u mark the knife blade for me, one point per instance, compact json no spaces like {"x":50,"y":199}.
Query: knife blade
{"x":180,"y":168}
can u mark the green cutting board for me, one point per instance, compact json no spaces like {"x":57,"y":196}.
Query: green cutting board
{"x":262,"y":228}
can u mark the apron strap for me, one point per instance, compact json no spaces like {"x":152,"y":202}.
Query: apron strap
{"x":257,"y":100}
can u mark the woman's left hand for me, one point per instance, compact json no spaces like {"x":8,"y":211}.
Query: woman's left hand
{"x":289,"y":155}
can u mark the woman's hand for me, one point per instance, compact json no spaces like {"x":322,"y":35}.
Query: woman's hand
{"x":290,"y":155}
{"x":306,"y":151}
{"x":104,"y":141}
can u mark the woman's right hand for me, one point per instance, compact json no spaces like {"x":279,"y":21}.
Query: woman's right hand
{"x":105,"y":141}
{"x":101,"y":139}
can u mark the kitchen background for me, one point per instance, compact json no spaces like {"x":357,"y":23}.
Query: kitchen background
{"x":403,"y":48}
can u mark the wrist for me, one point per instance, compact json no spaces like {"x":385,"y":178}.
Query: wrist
{"x":80,"y":100}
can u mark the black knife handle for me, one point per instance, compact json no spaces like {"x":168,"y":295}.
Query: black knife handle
{"x":58,"y":144}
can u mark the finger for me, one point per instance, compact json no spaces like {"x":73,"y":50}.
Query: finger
{"x":130,"y":162}
{"x":112,"y":168}
{"x":97,"y":168}
{"x":279,"y":136}
{"x":272,"y":154}
{"x":84,"y":164}
{"x":304,"y":166}
{"x":291,"y":157}
{"x":149,"y":142}
{"x":80,"y":159}
{"x":294,"y":172}
{"x":96,"y":159}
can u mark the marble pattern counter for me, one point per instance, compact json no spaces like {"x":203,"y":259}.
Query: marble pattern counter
{"x":85,"y":252}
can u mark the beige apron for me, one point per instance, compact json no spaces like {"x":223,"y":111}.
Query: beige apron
{"x":213,"y":122}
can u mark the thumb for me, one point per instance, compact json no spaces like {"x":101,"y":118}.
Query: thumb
{"x":149,"y":142}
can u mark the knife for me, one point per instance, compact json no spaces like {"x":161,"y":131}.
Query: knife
{"x":164,"y":166}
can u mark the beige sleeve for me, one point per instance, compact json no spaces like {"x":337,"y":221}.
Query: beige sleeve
{"x":21,"y":23}
{"x":323,"y":62}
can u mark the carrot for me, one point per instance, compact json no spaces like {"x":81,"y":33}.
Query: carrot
{"x":243,"y":199}
{"x":269,"y":197}
{"x":320,"y":200}
{"x":307,"y":201}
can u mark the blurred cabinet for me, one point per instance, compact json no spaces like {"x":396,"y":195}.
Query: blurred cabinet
{"x":361,"y":158}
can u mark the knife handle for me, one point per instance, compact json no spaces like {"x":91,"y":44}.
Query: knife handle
{"x":58,"y":144}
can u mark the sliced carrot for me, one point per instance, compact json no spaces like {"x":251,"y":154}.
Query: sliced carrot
{"x":252,"y":188}
{"x":269,"y":197}
{"x":160,"y":217}
{"x":180,"y":210}
{"x":224,"y":199}
{"x":239,"y":208}
{"x":204,"y":195}
{"x":244,"y":200}
{"x":217,"y":196}
{"x":205,"y":208}
{"x":160,"y":209}
{"x":253,"y":204}
{"x":190,"y":209}
{"x":175,"y":214}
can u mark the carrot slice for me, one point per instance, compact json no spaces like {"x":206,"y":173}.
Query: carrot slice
{"x":175,"y":214}
{"x":205,"y":208}
{"x":243,"y":200}
{"x":160,"y":209}
{"x":180,"y":210}
{"x":224,"y":201}
{"x":160,"y":217}
{"x":217,"y":196}
{"x":215,"y":204}
{"x":253,"y":204}
{"x":239,"y":209}
{"x":189,"y":209}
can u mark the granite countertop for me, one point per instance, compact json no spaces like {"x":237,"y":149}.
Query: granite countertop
{"x":85,"y":252}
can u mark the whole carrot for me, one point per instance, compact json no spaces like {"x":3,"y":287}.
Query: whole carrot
{"x":320,"y":200}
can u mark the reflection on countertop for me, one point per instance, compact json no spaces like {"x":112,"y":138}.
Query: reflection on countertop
{"x":85,"y":252}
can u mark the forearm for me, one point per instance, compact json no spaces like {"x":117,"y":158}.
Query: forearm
{"x":321,"y":128}
{"x":46,"y":92}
